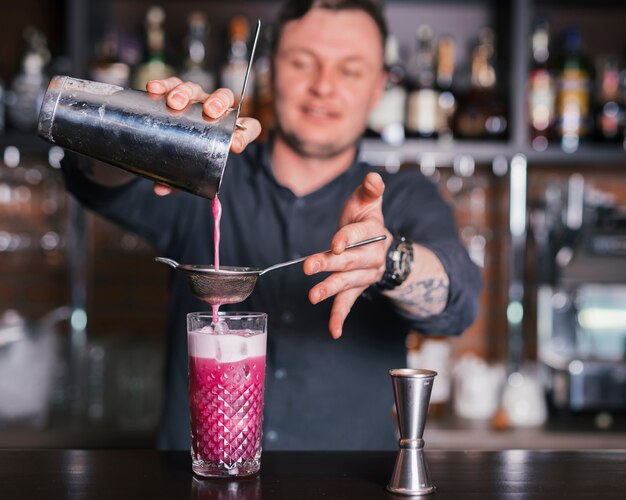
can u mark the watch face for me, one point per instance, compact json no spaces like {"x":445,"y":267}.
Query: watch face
{"x":403,"y":260}
{"x":399,"y":264}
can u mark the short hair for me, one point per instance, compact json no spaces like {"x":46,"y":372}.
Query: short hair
{"x":297,"y":9}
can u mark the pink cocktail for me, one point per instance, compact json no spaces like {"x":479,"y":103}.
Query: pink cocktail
{"x":226,"y":387}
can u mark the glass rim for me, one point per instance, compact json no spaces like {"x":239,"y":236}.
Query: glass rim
{"x":227,"y":314}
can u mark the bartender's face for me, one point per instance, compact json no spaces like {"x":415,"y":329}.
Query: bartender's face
{"x":328,"y":75}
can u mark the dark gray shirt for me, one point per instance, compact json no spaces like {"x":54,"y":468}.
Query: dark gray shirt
{"x":320,"y":393}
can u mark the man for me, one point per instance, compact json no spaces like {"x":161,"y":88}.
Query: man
{"x":287,"y":198}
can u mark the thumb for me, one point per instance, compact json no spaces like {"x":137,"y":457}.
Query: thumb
{"x":363,"y":199}
{"x":371,"y":189}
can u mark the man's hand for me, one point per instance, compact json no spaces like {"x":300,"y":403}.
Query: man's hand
{"x":180,"y":94}
{"x":353,"y":271}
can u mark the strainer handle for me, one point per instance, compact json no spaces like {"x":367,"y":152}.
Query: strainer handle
{"x":301,"y":259}
{"x":169,"y":262}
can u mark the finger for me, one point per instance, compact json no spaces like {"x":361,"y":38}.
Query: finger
{"x":218,"y":102}
{"x":338,"y":283}
{"x":368,"y":226}
{"x":371,"y":188}
{"x":163,"y":86}
{"x":346,"y":235}
{"x":366,"y":198}
{"x":161,"y":189}
{"x":341,"y":308}
{"x":369,"y":192}
{"x":366,"y":257}
{"x":244,"y":136}
{"x":181,"y":95}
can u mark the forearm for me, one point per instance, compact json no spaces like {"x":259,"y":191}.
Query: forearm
{"x":133,"y":205}
{"x":425,"y":291}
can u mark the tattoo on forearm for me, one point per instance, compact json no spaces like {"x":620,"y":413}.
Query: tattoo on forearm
{"x":424,"y":298}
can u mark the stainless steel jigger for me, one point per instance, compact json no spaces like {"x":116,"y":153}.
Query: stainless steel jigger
{"x":411,"y":390}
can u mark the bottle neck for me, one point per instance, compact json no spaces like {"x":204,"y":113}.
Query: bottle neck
{"x":424,"y":64}
{"x":393,"y":65}
{"x":573,"y":51}
{"x":445,"y":62}
{"x":541,"y":51}
{"x":609,"y":84}
{"x":238,"y":51}
{"x":197,"y":53}
{"x":156,"y":41}
{"x":425,"y":76}
{"x":196,"y":50}
{"x":483,"y":73}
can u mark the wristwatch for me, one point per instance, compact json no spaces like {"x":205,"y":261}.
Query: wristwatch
{"x":398,"y":264}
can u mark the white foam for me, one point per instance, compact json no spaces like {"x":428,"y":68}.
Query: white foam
{"x":205,"y":343}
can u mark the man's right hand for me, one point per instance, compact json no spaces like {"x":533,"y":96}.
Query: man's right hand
{"x":180,"y":94}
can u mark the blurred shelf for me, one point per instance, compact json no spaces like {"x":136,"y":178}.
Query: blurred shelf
{"x":558,"y":433}
{"x":74,"y":435}
{"x":433,"y":152}
{"x":521,"y":438}
{"x":447,"y":153}
{"x":579,"y":3}
{"x":588,"y":155}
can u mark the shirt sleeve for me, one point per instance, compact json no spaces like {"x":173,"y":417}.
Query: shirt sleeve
{"x":414,"y":208}
{"x":133,"y":206}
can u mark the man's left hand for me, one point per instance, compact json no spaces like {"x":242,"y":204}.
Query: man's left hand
{"x":353,"y":271}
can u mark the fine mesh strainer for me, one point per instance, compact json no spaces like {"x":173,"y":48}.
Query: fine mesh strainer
{"x":231,"y":284}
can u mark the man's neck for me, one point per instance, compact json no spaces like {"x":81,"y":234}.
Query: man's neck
{"x":303,"y":175}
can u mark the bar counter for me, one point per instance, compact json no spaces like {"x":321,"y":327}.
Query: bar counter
{"x":458,"y":475}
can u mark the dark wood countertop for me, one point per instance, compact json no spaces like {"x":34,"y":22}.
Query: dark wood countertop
{"x":458,"y":475}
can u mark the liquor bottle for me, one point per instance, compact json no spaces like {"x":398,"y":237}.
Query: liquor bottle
{"x":107,"y":67}
{"x":609,"y":111}
{"x":28,"y":87}
{"x":422,"y":97}
{"x":234,"y":70}
{"x":446,"y":48}
{"x":195,"y":66}
{"x":155,"y":67}
{"x":387,"y":119}
{"x":482,"y":113}
{"x":573,"y":95}
{"x":541,"y":89}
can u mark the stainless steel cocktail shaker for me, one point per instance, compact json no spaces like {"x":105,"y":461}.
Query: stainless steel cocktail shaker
{"x":137,"y":132}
